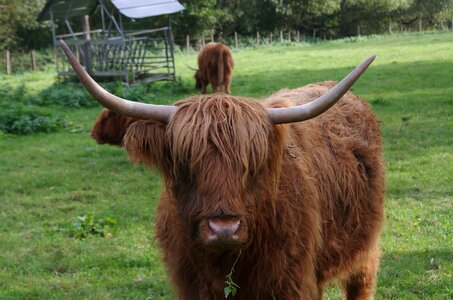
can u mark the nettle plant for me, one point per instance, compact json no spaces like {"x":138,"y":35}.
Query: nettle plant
{"x":86,"y":225}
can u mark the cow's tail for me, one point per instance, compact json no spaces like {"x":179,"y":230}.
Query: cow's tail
{"x":221,"y":68}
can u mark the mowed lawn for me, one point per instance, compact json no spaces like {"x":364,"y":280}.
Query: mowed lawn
{"x":47,"y":180}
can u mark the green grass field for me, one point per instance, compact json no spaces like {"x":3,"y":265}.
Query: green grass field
{"x":47,"y":180}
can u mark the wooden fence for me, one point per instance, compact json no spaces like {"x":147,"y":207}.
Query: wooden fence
{"x":195,"y":43}
{"x":191,"y":43}
{"x":28,"y":61}
{"x":31,"y":62}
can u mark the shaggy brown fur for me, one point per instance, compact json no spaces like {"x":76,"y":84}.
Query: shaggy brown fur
{"x":110,"y":128}
{"x":215,"y":67}
{"x":309,"y":196}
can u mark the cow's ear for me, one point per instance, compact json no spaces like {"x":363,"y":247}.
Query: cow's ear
{"x":145,"y":143}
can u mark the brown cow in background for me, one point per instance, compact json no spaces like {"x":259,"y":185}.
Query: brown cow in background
{"x":110,"y":127}
{"x":215,"y":67}
{"x":285,"y":195}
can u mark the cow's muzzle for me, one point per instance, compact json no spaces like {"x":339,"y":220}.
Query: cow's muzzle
{"x":97,"y":137}
{"x":223,"y":231}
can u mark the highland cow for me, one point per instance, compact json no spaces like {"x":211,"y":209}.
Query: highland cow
{"x":110,"y":127}
{"x":284,"y":194}
{"x":215,"y":67}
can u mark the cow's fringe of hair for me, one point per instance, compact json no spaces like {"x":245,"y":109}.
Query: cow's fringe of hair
{"x":236,"y":130}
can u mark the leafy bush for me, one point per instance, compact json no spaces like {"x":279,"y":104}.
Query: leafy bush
{"x":26,"y":120}
{"x":20,"y":116}
{"x":67,"y":95}
{"x":138,"y":92}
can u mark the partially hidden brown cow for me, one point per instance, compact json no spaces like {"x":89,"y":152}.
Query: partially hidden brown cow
{"x":284,"y":194}
{"x":110,"y":127}
{"x":215,"y":67}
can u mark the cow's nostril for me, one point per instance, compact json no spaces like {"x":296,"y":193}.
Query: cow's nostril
{"x":224,"y":228}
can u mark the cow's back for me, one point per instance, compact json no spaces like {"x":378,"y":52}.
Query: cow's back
{"x":215,"y":63}
{"x":341,"y":150}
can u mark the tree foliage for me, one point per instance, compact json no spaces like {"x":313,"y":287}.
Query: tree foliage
{"x":329,"y":18}
{"x":18,"y":25}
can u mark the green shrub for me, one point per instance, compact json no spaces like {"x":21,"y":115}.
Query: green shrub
{"x":138,"y":92}
{"x":67,"y":95}
{"x":19,"y":115}
{"x":26,"y":120}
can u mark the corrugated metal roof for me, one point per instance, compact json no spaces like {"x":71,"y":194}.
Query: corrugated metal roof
{"x":63,"y":9}
{"x":147,"y":8}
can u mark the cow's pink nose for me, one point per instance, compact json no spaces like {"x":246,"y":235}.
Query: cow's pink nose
{"x":223,"y":229}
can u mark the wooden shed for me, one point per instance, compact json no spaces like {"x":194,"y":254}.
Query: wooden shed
{"x":112,"y":50}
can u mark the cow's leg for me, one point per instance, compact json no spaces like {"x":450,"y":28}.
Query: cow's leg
{"x":227,"y":88}
{"x":360,"y":285}
{"x":203,"y":88}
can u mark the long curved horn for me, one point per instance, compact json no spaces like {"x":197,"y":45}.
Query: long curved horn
{"x":321,"y":104}
{"x":119,"y":105}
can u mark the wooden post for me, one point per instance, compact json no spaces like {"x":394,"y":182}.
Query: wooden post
{"x":33,"y":60}
{"x":289,"y":36}
{"x":85,"y":20}
{"x":390,"y":27}
{"x":8,"y":63}
{"x":236,"y":39}
{"x":281,"y":36}
{"x":188,"y":43}
{"x":420,"y":25}
{"x":358,"y":30}
{"x":257,"y":38}
{"x":87,"y":59}
{"x":298,"y":36}
{"x":54,"y":56}
{"x":77,"y":53}
{"x":270,"y":38}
